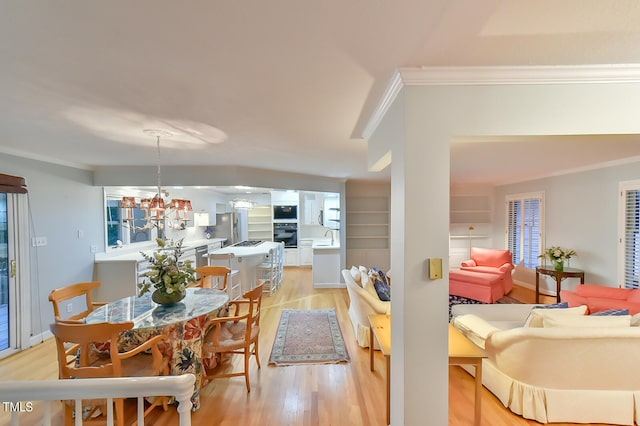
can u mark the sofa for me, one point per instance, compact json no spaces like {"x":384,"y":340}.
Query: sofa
{"x":363,"y":301}
{"x":557,"y":365}
{"x":600,"y":298}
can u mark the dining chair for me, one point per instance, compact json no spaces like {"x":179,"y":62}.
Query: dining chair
{"x":60,"y":295}
{"x":236,"y":334}
{"x":212,"y":276}
{"x":86,"y":363}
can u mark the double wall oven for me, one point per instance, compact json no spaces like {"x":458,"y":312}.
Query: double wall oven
{"x":286,"y":232}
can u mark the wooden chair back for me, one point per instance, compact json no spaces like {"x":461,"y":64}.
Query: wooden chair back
{"x":60,"y":295}
{"x":209,"y":274}
{"x":87,"y":364}
{"x":247,"y":311}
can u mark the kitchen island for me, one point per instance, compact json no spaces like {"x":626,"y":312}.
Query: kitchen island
{"x":245,"y":258}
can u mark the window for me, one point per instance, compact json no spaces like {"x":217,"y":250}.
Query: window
{"x":525,"y":227}
{"x":630,"y":236}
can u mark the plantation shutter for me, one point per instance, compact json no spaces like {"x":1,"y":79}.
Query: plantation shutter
{"x":514,"y":229}
{"x":531,"y":231}
{"x":525,"y":228}
{"x":632,"y":239}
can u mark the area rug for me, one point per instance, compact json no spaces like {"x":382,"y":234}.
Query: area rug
{"x":308,"y":337}
{"x":459,"y":300}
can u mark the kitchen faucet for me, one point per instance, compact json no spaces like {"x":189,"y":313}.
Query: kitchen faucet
{"x":330,"y":231}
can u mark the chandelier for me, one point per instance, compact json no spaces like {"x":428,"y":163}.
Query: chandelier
{"x":241,"y":203}
{"x":156,"y":207}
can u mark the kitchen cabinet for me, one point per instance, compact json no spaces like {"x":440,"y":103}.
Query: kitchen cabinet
{"x":326,"y":266}
{"x":119,"y":278}
{"x":306,"y":252}
{"x":291,"y":257}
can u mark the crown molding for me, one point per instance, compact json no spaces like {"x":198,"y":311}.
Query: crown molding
{"x":393,"y":89}
{"x":44,"y":158}
{"x":557,"y":74}
{"x":460,"y":76}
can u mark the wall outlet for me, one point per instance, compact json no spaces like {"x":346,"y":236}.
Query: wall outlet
{"x":69,"y":307}
{"x":39,"y":241}
{"x":93,"y":249}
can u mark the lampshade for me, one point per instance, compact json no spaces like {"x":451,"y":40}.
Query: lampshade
{"x":201,"y":219}
{"x":157,"y":204}
{"x":145,"y":203}
{"x":187,"y":205}
{"x":128,"y":203}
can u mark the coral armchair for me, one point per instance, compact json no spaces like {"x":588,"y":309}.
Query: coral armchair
{"x":492,"y":261}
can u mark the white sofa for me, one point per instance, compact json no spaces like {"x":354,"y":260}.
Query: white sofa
{"x":362,"y":304}
{"x":576,"y":373}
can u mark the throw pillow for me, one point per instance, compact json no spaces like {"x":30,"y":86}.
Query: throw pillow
{"x":586,"y":321}
{"x":537,"y":315}
{"x":355,"y":274}
{"x":364,"y":276}
{"x":370,"y":287}
{"x":380,"y":283}
{"x":611,"y":313}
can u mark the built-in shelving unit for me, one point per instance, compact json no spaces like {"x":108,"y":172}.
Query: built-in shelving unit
{"x":368,"y":223}
{"x":260,"y":223}
{"x":470,"y":209}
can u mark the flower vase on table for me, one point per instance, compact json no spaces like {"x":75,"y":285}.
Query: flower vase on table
{"x":557,"y":256}
{"x":558,"y":265}
{"x":168,"y":276}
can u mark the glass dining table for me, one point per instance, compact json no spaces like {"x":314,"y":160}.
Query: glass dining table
{"x":183,"y":322}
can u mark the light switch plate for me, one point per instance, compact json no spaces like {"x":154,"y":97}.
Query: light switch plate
{"x":435,"y":268}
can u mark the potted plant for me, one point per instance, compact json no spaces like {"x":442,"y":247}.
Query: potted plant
{"x":167,"y":274}
{"x":558,"y":255}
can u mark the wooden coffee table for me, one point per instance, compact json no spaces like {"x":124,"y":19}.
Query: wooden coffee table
{"x":463,"y":352}
{"x":559,"y":276}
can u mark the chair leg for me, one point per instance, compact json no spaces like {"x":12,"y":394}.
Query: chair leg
{"x":247,"y":354}
{"x":255,"y":352}
{"x":119,"y":411}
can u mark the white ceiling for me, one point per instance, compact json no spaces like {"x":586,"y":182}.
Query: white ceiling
{"x":291,"y":84}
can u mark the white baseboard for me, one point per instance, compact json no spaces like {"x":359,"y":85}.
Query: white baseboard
{"x":39,"y":338}
{"x":329,"y":285}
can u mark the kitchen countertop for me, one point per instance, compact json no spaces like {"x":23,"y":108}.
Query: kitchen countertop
{"x":260,"y":249}
{"x":133,"y":255}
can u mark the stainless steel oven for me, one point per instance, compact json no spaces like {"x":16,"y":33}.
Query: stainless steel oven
{"x":287,"y":233}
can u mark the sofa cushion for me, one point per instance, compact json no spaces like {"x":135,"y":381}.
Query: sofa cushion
{"x":474,"y":328}
{"x":490,"y":257}
{"x":573,"y":298}
{"x":601,"y":291}
{"x":597,"y":304}
{"x":537,"y":315}
{"x":634,"y":296}
{"x":586,"y":321}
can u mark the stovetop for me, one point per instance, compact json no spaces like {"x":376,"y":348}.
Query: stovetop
{"x":247,"y":243}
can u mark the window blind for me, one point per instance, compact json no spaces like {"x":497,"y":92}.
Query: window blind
{"x":524,"y":230}
{"x":632,"y":239}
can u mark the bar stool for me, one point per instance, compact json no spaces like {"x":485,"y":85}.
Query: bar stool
{"x":234,"y":284}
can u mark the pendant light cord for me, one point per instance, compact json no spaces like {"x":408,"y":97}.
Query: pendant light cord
{"x":158,"y":149}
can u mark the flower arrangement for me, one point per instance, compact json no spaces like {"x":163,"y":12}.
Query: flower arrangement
{"x":558,"y":255}
{"x":167,"y":274}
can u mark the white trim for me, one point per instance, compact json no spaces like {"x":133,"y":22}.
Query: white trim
{"x":438,"y":76}
{"x":44,"y":158}
{"x":557,"y":74}
{"x":390,"y":94}
{"x":623,"y":187}
{"x":39,"y":338}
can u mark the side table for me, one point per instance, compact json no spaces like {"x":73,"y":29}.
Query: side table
{"x":559,"y":276}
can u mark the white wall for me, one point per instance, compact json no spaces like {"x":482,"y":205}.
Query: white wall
{"x":581,"y":212}
{"x":62,"y":201}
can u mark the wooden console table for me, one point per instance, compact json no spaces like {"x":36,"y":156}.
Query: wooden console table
{"x":463,"y":352}
{"x":380,"y":328}
{"x":559,"y":276}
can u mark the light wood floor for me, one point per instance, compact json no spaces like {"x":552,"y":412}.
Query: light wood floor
{"x":334,"y":394}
